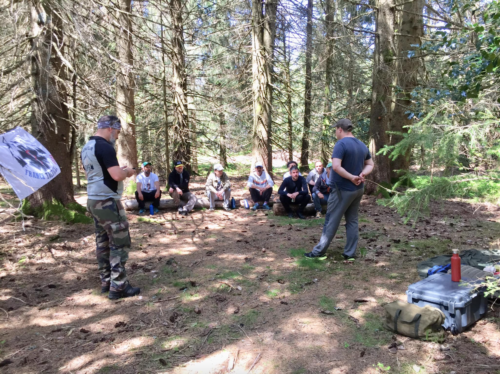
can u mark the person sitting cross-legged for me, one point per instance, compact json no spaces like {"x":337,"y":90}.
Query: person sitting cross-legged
{"x":294,"y":190}
{"x":178,"y":181}
{"x":321,"y":190}
{"x":260,"y":186}
{"x":218,"y":187}
{"x":148,"y":188}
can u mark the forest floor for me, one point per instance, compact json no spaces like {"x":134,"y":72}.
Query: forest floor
{"x":231,"y":292}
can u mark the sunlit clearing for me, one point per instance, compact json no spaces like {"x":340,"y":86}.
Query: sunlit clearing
{"x":132,"y":344}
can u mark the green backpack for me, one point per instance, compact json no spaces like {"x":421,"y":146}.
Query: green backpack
{"x":412,"y":320}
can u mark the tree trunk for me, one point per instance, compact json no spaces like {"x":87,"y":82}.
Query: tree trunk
{"x":194,"y":145}
{"x":383,"y":72}
{"x":165,"y":101}
{"x":222,"y":139}
{"x":412,"y":29}
{"x":125,"y":86}
{"x":50,"y":120}
{"x":182,"y":138}
{"x":263,"y":35}
{"x":325,"y":150}
{"x":287,"y":57}
{"x":304,"y":156}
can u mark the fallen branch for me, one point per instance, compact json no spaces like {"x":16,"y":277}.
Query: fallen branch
{"x":170,"y":298}
{"x":254,"y":363}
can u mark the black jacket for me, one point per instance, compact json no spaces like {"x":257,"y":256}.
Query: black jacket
{"x":290,"y":186}
{"x":322,"y":186}
{"x":176,"y":180}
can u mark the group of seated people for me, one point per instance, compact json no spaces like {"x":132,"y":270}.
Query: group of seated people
{"x":217,"y":187}
{"x":294,"y":190}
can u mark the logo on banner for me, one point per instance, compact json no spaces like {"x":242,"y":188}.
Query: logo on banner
{"x":25,"y":163}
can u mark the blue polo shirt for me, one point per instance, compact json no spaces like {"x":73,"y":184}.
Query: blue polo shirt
{"x":353,"y":153}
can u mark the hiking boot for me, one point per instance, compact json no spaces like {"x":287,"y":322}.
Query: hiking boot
{"x":266,"y":207}
{"x":310,"y":255}
{"x":141,"y":212}
{"x":300,"y":215}
{"x":129,"y":291}
{"x":255,"y":206}
{"x":318,"y":215}
{"x":105,"y":288}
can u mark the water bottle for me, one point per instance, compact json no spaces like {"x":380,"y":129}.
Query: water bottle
{"x":456,"y":273}
{"x":151,"y":210}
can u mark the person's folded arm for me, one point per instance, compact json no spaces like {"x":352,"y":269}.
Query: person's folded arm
{"x":368,"y":168}
{"x":337,"y":167}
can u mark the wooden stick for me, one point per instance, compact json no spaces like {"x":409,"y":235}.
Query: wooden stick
{"x":170,"y":298}
{"x":254,"y":363}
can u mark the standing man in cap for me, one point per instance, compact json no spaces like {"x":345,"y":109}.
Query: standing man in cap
{"x":351,"y":162}
{"x":218,"y":187}
{"x":104,"y":190}
{"x":148,"y":188}
{"x":260,"y":186}
{"x":178,"y":180}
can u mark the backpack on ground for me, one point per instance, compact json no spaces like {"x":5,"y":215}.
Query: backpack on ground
{"x":412,"y":320}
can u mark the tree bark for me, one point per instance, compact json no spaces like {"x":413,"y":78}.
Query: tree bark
{"x":304,"y":155}
{"x":325,"y":150}
{"x":222,"y":139}
{"x":410,"y":63}
{"x":287,"y":57}
{"x":182,"y":138}
{"x":125,"y":86}
{"x":164,"y":97}
{"x":50,"y":120}
{"x":382,"y":91}
{"x":263,"y":36}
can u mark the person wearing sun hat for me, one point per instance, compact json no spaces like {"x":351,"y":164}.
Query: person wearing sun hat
{"x":218,"y":187}
{"x":178,"y":180}
{"x":148,"y":188}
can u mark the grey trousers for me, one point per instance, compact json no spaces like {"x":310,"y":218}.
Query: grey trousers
{"x":212,"y":196}
{"x":348,"y":205}
{"x":188,"y":197}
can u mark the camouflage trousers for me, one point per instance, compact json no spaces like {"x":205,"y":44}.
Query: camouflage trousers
{"x":112,"y":241}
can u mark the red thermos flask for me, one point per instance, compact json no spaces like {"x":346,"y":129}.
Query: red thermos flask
{"x":456,"y":273}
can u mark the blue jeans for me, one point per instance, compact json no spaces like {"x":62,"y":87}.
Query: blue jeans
{"x":317,"y":201}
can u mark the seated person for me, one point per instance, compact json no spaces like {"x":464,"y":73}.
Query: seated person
{"x":294,"y":190}
{"x":321,"y":190}
{"x":289,"y":165}
{"x":218,"y":187}
{"x":312,"y":177}
{"x":148,"y":188}
{"x":260,"y":186}
{"x":178,"y":180}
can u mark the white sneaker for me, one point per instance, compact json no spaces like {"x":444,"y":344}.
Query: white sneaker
{"x":318,"y":215}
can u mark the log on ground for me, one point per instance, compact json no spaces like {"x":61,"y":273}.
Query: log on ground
{"x":168,"y":204}
{"x":279,"y":209}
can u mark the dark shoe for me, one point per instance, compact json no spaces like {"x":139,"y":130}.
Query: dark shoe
{"x":266,"y":207}
{"x":348,"y":258}
{"x":105,"y":288}
{"x":300,"y":215}
{"x":141,"y":212}
{"x":129,"y":291}
{"x":312,"y":256}
{"x":183,"y":213}
{"x":255,"y":206}
{"x":156,"y":211}
{"x":291,"y":215}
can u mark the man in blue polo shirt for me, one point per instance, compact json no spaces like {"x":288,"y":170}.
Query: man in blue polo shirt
{"x":351,"y":162}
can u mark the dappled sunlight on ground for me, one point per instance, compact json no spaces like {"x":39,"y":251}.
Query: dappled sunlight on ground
{"x":222,"y":289}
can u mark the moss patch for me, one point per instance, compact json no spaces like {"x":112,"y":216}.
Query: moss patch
{"x":55,"y":211}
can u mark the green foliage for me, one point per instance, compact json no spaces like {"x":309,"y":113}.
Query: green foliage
{"x":55,"y":211}
{"x":131,"y":188}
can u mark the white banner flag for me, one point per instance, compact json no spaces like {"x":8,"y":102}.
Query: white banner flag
{"x":25,"y":163}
